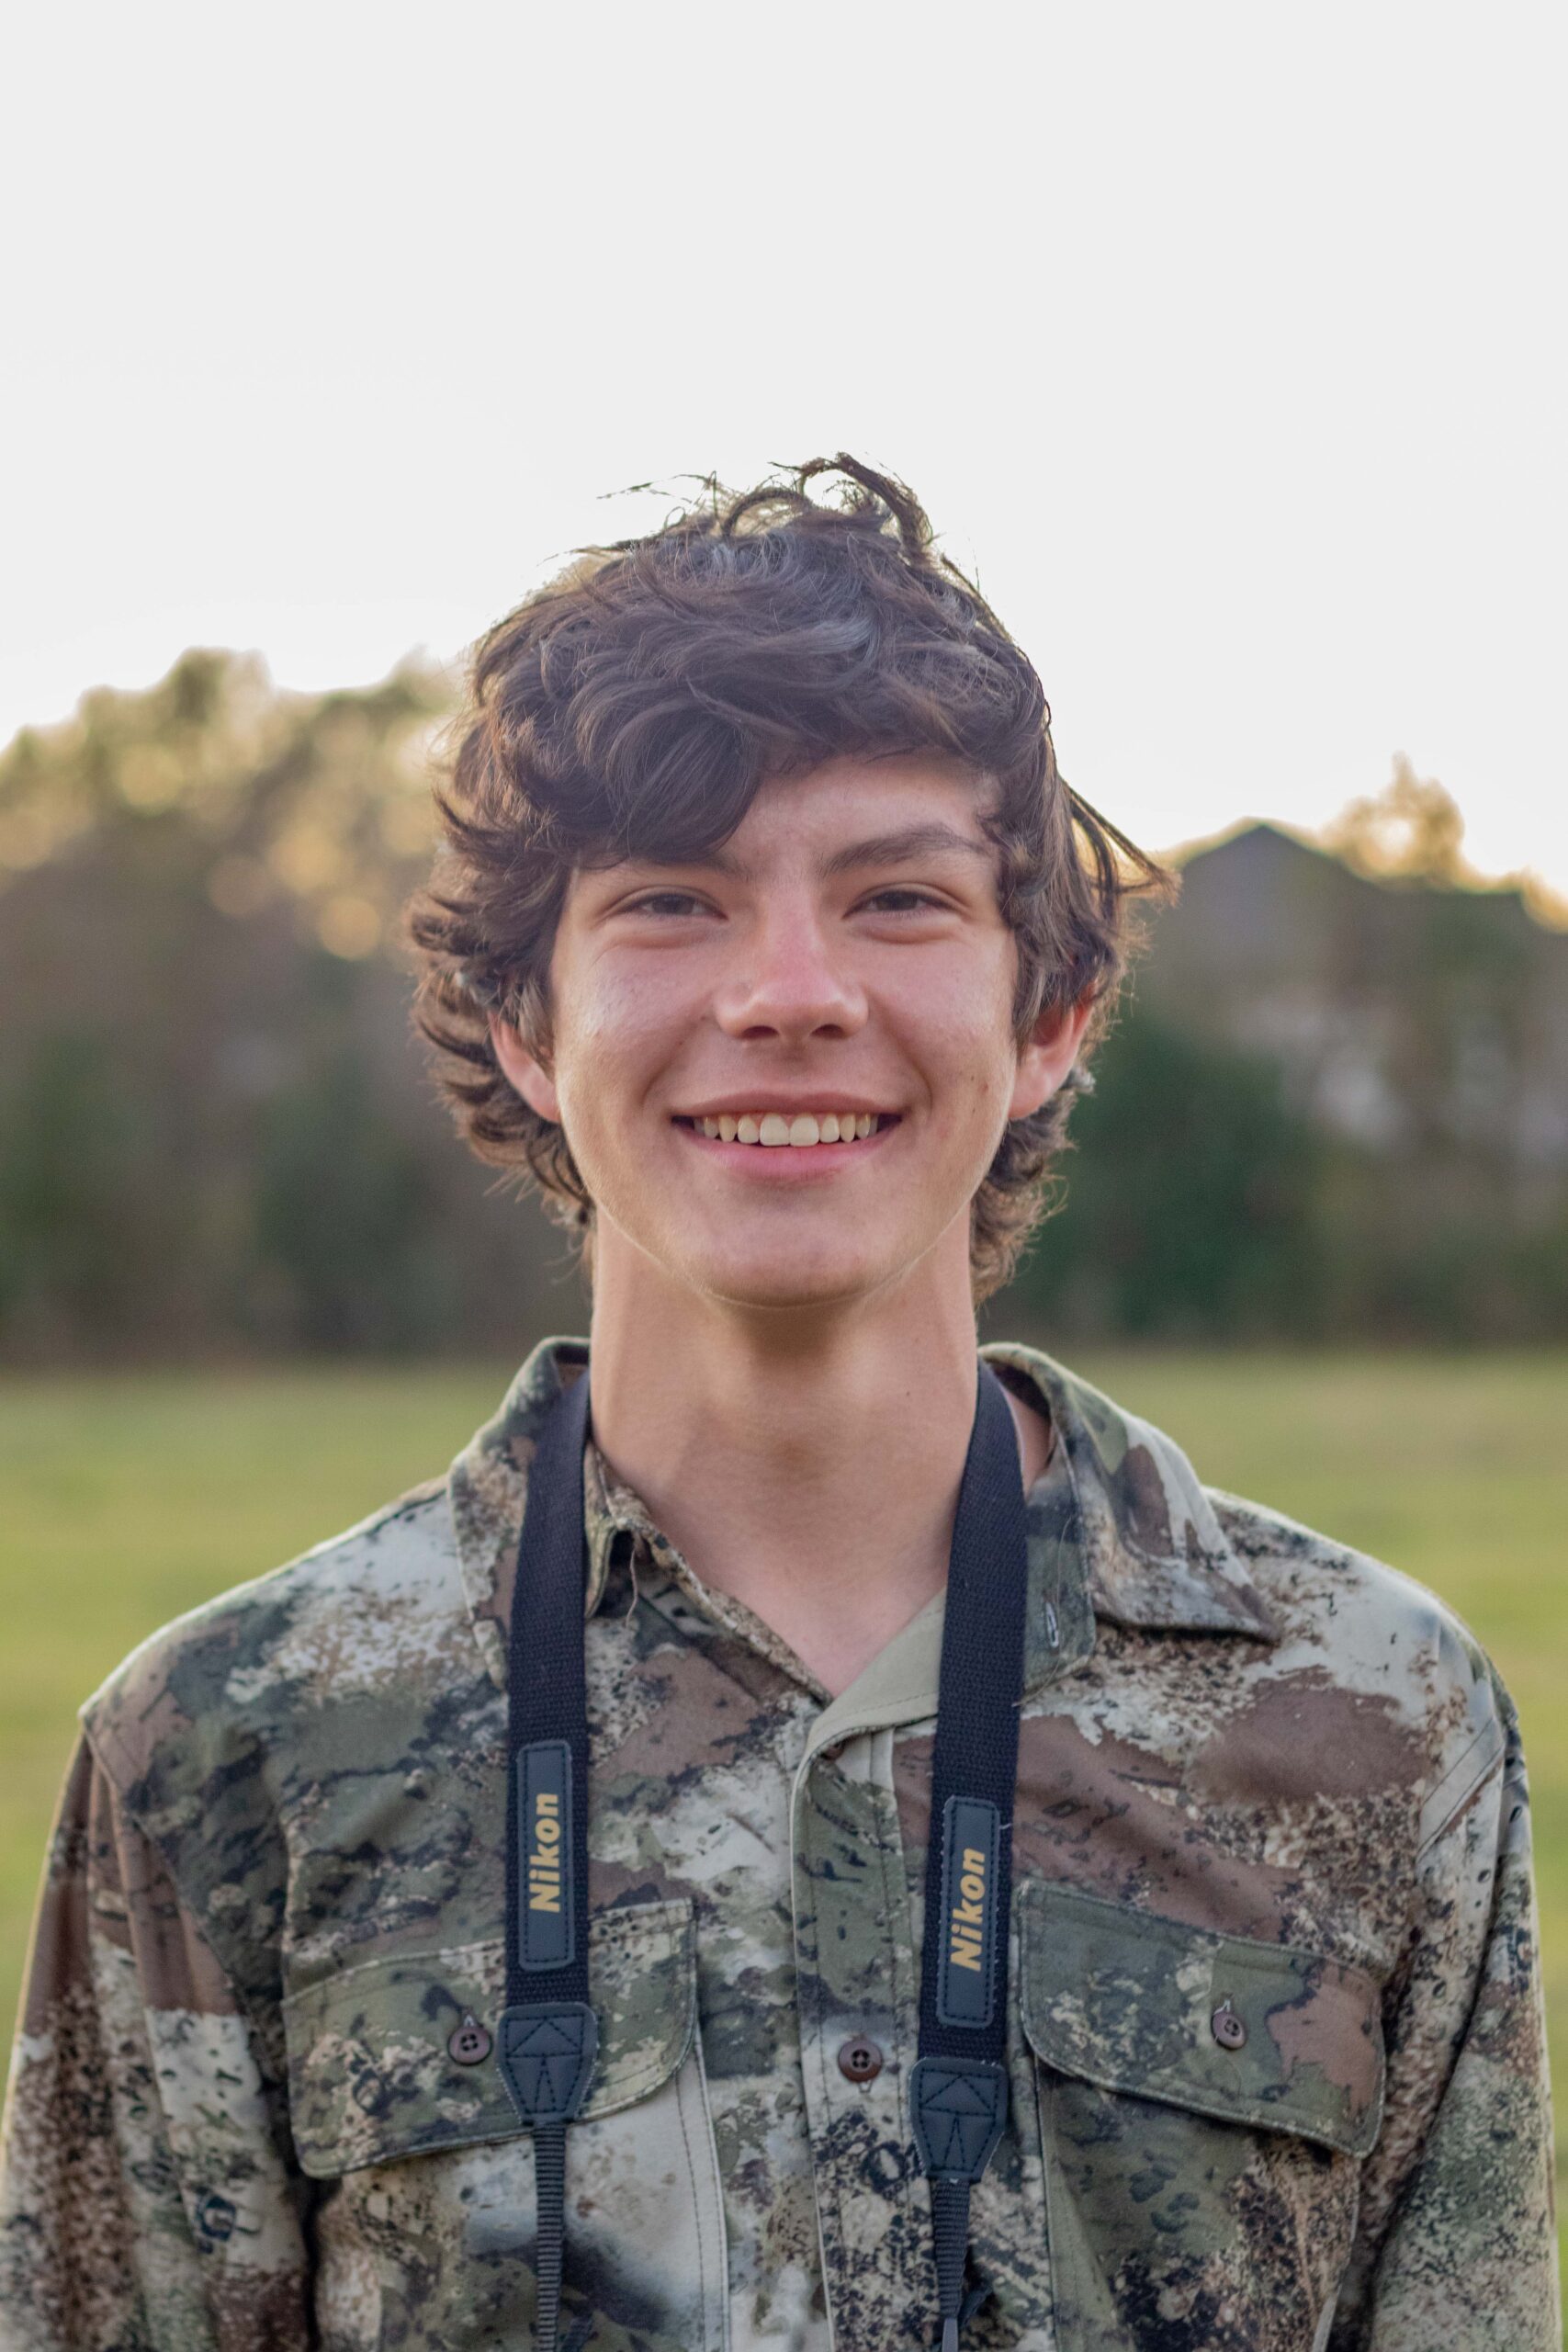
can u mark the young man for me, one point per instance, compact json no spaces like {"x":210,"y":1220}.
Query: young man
{"x":419,"y":1969}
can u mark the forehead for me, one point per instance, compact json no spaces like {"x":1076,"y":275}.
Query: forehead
{"x":852,"y":809}
{"x":844,"y":791}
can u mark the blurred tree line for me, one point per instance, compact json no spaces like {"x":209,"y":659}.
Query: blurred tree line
{"x":218,"y":1132}
{"x":1337,"y":1107}
{"x":216,"y":1129}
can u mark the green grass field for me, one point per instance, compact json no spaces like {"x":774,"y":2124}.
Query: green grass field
{"x":126,"y":1499}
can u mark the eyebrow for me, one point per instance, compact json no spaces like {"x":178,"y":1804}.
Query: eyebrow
{"x":933,"y":839}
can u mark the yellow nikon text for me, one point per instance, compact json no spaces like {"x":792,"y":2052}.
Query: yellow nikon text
{"x":968,"y":1914}
{"x":543,"y":1860}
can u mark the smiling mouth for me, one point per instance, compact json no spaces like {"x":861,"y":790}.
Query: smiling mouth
{"x":802,"y":1131}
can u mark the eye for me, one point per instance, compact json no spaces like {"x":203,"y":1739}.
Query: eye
{"x":912,"y":901}
{"x":674,"y":903}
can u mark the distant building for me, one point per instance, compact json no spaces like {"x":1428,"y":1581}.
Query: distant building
{"x":1411,"y":1019}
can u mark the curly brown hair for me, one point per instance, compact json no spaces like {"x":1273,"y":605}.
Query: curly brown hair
{"x":635,"y":705}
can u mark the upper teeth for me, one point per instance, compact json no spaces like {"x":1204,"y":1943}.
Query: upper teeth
{"x":804,"y":1128}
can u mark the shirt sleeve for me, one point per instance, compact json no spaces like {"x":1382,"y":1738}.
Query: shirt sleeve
{"x":148,"y":2200}
{"x":1456,"y":2239}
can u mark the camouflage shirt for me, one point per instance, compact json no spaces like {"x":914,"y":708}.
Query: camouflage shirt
{"x":1277,"y":2062}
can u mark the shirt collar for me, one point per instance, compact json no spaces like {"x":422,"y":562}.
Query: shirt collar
{"x":1117,"y":1523}
{"x":1154,"y":1552}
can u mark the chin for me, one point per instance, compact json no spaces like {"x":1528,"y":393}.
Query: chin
{"x":743,"y":1282}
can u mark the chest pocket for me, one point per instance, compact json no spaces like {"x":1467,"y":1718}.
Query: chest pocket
{"x":425,"y":2221}
{"x":1204,"y":2102}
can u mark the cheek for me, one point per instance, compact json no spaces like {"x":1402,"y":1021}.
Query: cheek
{"x":614,"y":1038}
{"x":965,"y":1040}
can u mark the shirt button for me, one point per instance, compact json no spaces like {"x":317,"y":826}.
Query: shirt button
{"x":860,"y":2060}
{"x":469,"y":2043}
{"x":1227,"y":2028}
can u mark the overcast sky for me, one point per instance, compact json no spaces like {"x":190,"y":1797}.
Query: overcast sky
{"x":1227,"y":343}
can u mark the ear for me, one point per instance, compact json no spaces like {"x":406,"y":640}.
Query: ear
{"x":525,"y":1071}
{"x":1047,"y":1055}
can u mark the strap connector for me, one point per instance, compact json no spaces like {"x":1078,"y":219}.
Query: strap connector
{"x":959,"y":2107}
{"x":546,"y":2052}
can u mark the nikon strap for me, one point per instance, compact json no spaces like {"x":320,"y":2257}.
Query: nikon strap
{"x":548,"y":2035}
{"x":959,"y":2088}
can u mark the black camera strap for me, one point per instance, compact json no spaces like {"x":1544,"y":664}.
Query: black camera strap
{"x":548,"y":2035}
{"x":959,"y":2089}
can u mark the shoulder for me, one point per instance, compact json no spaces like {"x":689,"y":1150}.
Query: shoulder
{"x":216,"y":1690}
{"x":1350,"y":1673}
{"x":1363,"y":1644}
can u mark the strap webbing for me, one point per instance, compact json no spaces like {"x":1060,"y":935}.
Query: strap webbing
{"x":959,"y":2086}
{"x":975,"y":1765}
{"x":549,"y":2034}
{"x":548,"y":1710}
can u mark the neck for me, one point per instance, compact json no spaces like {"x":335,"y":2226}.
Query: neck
{"x":807,"y":1464}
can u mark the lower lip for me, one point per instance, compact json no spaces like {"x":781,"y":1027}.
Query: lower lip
{"x":784,"y":1162}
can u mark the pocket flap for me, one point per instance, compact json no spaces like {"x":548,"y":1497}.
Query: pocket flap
{"x":371,"y":2077}
{"x":1133,"y":2002}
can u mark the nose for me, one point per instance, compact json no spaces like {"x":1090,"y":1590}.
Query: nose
{"x":790,"y":981}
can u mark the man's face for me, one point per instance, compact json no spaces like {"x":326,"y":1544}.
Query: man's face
{"x":841,"y":957}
